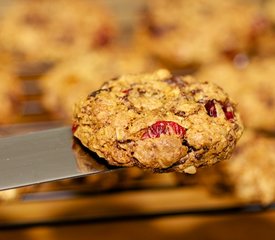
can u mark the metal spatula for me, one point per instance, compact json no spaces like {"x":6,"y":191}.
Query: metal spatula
{"x":45,"y":156}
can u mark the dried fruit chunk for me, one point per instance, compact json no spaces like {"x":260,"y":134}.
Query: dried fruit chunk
{"x":228,"y":111}
{"x":164,"y":127}
{"x":103,"y":37}
{"x":126,"y":91}
{"x":210,"y":108}
{"x":74,"y":127}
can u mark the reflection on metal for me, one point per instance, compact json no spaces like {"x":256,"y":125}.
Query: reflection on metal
{"x":88,"y":161}
{"x":43,"y":157}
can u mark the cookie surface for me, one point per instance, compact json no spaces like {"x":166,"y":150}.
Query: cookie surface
{"x":159,"y":122}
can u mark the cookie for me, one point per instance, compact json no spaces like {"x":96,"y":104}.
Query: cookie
{"x":74,"y":78}
{"x":248,"y":175}
{"x":158,"y":121}
{"x":51,"y":30}
{"x":266,"y":41}
{"x":250,"y":83}
{"x":251,"y":170}
{"x":199,"y":31}
{"x":11,"y":91}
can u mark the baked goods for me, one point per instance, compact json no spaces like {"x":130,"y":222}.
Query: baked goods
{"x":248,"y":175}
{"x":77,"y":77}
{"x":49,"y":30}
{"x":251,"y":85}
{"x":251,"y":170}
{"x":159,"y":122}
{"x":265,"y":42}
{"x":11,"y":91}
{"x":188,"y":32}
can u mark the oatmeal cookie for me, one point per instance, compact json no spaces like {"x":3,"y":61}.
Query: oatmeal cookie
{"x":251,"y":85}
{"x":251,"y":170}
{"x":73,"y":78}
{"x":249,"y":173}
{"x":266,"y":41}
{"x":158,"y":121}
{"x":49,"y":30}
{"x":188,"y":32}
{"x":11,"y":91}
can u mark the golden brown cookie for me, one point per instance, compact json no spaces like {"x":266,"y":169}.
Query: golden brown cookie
{"x":11,"y":91}
{"x":76,"y":77}
{"x":249,"y":83}
{"x":251,"y":170}
{"x":190,"y":32}
{"x":49,"y":30}
{"x":248,"y":175}
{"x":265,"y":43}
{"x":158,"y":121}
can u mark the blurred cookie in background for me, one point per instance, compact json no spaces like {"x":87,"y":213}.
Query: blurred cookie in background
{"x":251,"y":84}
{"x":265,"y":42}
{"x":76,"y":77}
{"x":46,"y":31}
{"x":248,"y":175}
{"x":10,"y":94}
{"x":11,"y":91}
{"x":184,"y":33}
{"x":251,"y":171}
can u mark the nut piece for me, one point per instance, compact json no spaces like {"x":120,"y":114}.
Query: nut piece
{"x":190,"y":170}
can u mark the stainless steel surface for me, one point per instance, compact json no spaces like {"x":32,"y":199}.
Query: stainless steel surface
{"x":45,"y":156}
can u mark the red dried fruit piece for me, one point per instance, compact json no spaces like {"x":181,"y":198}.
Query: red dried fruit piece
{"x":164,"y":127}
{"x":230,"y":52}
{"x":211,"y":108}
{"x":229,"y":115}
{"x":103,"y":37}
{"x":74,"y":127}
{"x":127,"y":91}
{"x":228,"y":111}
